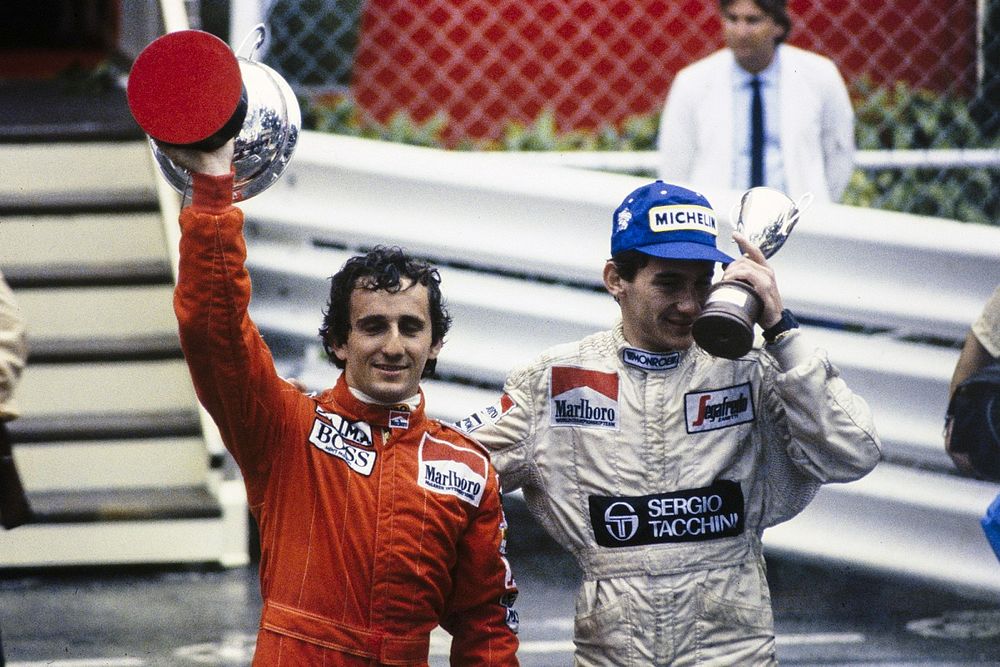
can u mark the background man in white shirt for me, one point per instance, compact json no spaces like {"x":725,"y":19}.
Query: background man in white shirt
{"x":706,"y":129}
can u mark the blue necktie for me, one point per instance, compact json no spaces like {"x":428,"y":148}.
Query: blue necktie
{"x":756,"y":135}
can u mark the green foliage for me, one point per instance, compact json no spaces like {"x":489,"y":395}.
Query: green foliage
{"x":636,"y":133}
{"x":338,"y":114}
{"x":898,"y":117}
{"x":902,"y":117}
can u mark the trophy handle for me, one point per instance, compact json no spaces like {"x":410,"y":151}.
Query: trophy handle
{"x":801,"y":204}
{"x":734,"y":215}
{"x":257,"y":34}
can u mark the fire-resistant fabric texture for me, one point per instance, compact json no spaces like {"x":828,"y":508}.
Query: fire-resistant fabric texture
{"x":376,"y":523}
{"x":660,"y":472}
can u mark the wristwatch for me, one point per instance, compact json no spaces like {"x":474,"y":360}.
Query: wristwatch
{"x":784,"y":325}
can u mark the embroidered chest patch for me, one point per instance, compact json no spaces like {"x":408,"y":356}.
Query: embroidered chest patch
{"x":349,"y":441}
{"x":691,"y":515}
{"x":455,"y":471}
{"x":487,"y":416}
{"x":650,"y":361}
{"x":583,"y":397}
{"x":399,"y":419}
{"x":718,"y":408}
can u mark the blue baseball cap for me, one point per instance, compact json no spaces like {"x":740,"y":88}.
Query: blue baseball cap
{"x":667,"y":221}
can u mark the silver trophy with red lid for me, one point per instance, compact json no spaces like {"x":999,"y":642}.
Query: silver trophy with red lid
{"x":188,"y":88}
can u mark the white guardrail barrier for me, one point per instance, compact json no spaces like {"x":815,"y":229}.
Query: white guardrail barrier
{"x":521,"y":246}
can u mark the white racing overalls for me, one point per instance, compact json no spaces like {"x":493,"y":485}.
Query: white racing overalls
{"x":660,"y":472}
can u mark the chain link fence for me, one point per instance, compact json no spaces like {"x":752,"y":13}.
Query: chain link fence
{"x":593,"y":74}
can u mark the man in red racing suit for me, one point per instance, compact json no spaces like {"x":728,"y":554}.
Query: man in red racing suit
{"x":376,"y":523}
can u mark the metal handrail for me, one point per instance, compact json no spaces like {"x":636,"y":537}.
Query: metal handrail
{"x":648,"y":161}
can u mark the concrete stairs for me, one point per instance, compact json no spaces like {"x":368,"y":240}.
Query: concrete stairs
{"x":119,"y":461}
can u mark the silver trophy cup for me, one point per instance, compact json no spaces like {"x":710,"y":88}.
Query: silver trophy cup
{"x":725,"y":327}
{"x":267,"y":137}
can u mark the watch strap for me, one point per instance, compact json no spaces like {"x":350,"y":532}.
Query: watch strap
{"x":786,"y":323}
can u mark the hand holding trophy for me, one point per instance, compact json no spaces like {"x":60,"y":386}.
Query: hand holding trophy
{"x":725,"y":327}
{"x":189,"y":90}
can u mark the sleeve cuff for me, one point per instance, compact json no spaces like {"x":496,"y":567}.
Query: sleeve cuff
{"x":789,"y":350}
{"x":212,"y":193}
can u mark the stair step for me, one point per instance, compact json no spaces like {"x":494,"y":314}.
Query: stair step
{"x":108,"y":425}
{"x":100,"y":323}
{"x":148,"y":504}
{"x":68,"y":465}
{"x":42,"y":175}
{"x":59,"y":109}
{"x":221,"y":541}
{"x":52,"y":250}
{"x":80,"y":391}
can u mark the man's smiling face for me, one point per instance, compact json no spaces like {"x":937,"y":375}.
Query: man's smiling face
{"x":661,"y":303}
{"x":389,"y":342}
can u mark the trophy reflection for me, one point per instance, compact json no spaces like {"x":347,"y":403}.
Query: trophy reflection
{"x":725,"y":326}
{"x":189,"y":89}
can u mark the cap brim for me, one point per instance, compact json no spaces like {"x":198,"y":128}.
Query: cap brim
{"x":686,"y":250}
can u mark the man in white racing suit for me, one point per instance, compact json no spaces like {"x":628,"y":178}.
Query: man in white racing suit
{"x":659,"y":466}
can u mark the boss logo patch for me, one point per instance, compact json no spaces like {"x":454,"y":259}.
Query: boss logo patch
{"x":455,"y":471}
{"x":718,"y":408}
{"x":692,"y":515}
{"x":348,"y":441}
{"x":583,"y":397}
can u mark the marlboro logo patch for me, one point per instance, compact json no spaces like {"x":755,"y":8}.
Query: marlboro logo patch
{"x":455,"y":471}
{"x":399,"y":419}
{"x":583,"y":397}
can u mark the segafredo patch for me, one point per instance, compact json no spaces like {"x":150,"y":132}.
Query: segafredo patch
{"x":583,"y":397}
{"x":650,"y":361}
{"x":452,"y":470}
{"x":690,"y":515}
{"x":682,"y":217}
{"x":349,"y":441}
{"x":718,"y":408}
{"x":488,"y":415}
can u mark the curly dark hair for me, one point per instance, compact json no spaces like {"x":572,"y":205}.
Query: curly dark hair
{"x":381,"y":268}
{"x":776,"y":9}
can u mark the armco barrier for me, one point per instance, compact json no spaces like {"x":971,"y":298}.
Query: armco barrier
{"x":521,"y":247}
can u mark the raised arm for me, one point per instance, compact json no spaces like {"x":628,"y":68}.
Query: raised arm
{"x":231,"y":367}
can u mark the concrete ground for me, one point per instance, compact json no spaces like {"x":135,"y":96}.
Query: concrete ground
{"x":139,"y":617}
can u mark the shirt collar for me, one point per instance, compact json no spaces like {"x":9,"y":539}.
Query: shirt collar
{"x":768,"y":76}
{"x":358,"y":406}
{"x":412,"y":402}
